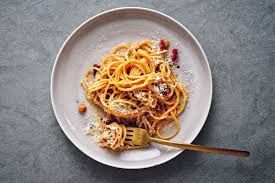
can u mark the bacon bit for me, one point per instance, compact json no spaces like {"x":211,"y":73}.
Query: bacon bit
{"x":164,"y":44}
{"x":82,"y":108}
{"x":157,"y":68}
{"x":174,"y":55}
{"x":166,"y":91}
{"x":128,"y":70}
{"x":97,"y":66}
{"x":162,"y":89}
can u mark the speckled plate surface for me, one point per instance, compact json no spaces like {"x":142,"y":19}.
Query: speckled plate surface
{"x":90,"y":42}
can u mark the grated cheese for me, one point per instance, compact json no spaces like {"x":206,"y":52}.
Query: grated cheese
{"x":160,"y":88}
{"x":140,"y":95}
{"x":120,"y":108}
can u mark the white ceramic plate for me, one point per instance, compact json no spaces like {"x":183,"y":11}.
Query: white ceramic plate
{"x":90,"y":42}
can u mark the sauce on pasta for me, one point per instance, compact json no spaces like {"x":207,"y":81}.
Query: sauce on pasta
{"x":135,"y":86}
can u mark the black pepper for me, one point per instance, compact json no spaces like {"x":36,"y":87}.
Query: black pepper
{"x":97,"y":66}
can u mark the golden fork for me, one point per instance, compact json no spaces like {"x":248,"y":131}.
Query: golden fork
{"x":140,"y":137}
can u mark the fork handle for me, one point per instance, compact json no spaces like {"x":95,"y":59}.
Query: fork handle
{"x":213,"y":150}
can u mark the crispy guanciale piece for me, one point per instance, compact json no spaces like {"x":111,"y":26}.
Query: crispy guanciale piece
{"x":164,"y":44}
{"x":174,"y":55}
{"x":82,"y":108}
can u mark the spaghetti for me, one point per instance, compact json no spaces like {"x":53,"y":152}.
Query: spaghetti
{"x":135,"y":86}
{"x":113,"y":136}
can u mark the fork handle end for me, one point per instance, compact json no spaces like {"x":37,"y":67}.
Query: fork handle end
{"x":193,"y":147}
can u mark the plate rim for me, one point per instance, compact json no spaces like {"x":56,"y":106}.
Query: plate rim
{"x":204,"y":118}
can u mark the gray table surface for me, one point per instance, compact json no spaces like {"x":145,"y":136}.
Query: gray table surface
{"x":239,"y":40}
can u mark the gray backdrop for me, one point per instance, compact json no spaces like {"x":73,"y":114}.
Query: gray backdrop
{"x":239,"y":40}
